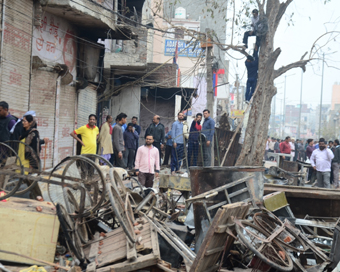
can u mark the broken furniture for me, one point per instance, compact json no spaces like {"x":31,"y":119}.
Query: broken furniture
{"x":204,"y":179}
{"x":28,"y":227}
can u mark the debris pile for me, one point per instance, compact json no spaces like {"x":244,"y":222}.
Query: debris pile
{"x":94,"y":217}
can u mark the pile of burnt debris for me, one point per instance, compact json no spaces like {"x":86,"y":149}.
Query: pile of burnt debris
{"x":86,"y":216}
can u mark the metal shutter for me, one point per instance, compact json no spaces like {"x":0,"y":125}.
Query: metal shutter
{"x":16,"y":55}
{"x":87,"y":104}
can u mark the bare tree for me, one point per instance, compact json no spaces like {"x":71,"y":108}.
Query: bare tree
{"x":257,"y":129}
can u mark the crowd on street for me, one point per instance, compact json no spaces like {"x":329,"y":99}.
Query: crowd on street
{"x":119,"y":143}
{"x":323,"y":156}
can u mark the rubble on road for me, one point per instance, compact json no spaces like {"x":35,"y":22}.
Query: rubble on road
{"x":90,"y":217}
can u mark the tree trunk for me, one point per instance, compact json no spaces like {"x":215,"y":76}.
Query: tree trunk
{"x":257,"y":129}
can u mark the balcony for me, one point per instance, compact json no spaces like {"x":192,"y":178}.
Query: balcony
{"x":94,"y":18}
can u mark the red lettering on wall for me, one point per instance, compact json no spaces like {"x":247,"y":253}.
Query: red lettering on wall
{"x":16,"y":37}
{"x":14,"y":78}
{"x":65,"y":132}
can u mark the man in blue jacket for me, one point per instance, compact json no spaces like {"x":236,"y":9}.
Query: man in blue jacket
{"x":193,"y":142}
{"x":252,"y":65}
{"x":177,"y":144}
{"x":208,"y":130}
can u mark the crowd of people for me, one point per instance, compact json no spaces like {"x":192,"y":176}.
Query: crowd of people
{"x":323,"y":156}
{"x":119,"y":143}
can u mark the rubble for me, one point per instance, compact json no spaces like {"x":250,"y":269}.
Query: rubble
{"x":99,"y":218}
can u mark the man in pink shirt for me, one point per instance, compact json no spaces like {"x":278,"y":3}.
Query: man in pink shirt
{"x":285,"y":148}
{"x":146,"y":159}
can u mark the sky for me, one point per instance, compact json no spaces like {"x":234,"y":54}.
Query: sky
{"x":311,"y":19}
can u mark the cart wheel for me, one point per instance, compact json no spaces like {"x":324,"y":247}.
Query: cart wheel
{"x":121,"y":213}
{"x":72,"y":208}
{"x":288,"y":238}
{"x":117,"y":182}
{"x":79,"y":170}
{"x":72,"y":238}
{"x":10,"y":165}
{"x":270,"y":253}
{"x":32,"y":165}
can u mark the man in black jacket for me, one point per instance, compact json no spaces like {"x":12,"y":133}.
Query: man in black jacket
{"x":335,"y":163}
{"x":7,"y":121}
{"x":252,"y":65}
{"x":156,"y":129}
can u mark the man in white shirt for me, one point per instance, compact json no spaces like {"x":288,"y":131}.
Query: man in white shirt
{"x":254,"y":21}
{"x":321,"y":161}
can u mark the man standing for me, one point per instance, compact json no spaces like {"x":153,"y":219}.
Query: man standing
{"x":193,"y":142}
{"x":130,"y":137}
{"x":276,"y":146}
{"x":168,"y":148}
{"x":177,"y":144}
{"x":321,"y":161}
{"x":156,"y":129}
{"x":252,"y":65}
{"x":292,"y":149}
{"x":208,"y":130}
{"x":105,"y":139}
{"x":118,"y":140}
{"x":138,"y":129}
{"x":147,"y":159}
{"x":335,"y":163}
{"x":285,"y":148}
{"x":254,"y":21}
{"x":7,"y":121}
{"x":309,"y":150}
{"x":89,"y":135}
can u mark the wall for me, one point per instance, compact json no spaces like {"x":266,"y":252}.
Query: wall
{"x":128,"y":101}
{"x":54,"y":41}
{"x":16,"y":55}
{"x":42,"y":101}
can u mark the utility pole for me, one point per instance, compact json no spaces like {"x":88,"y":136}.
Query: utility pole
{"x":284,"y":109}
{"x":299,"y":128}
{"x":323,"y":63}
{"x":210,"y":88}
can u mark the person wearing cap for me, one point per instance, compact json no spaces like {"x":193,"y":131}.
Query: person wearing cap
{"x":7,"y":121}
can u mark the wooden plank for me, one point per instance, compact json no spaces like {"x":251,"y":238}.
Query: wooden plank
{"x":215,"y":240}
{"x":303,"y":192}
{"x":140,"y":263}
{"x":154,"y":242}
{"x":94,"y":248}
{"x":214,"y":250}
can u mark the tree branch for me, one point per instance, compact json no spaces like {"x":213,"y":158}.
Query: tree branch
{"x":238,"y":48}
{"x":301,"y":63}
{"x":282,"y":10}
{"x":261,"y":7}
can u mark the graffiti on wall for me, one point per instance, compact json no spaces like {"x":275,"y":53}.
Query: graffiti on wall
{"x":54,"y":40}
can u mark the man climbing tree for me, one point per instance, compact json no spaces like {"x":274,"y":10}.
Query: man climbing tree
{"x":252,"y":65}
